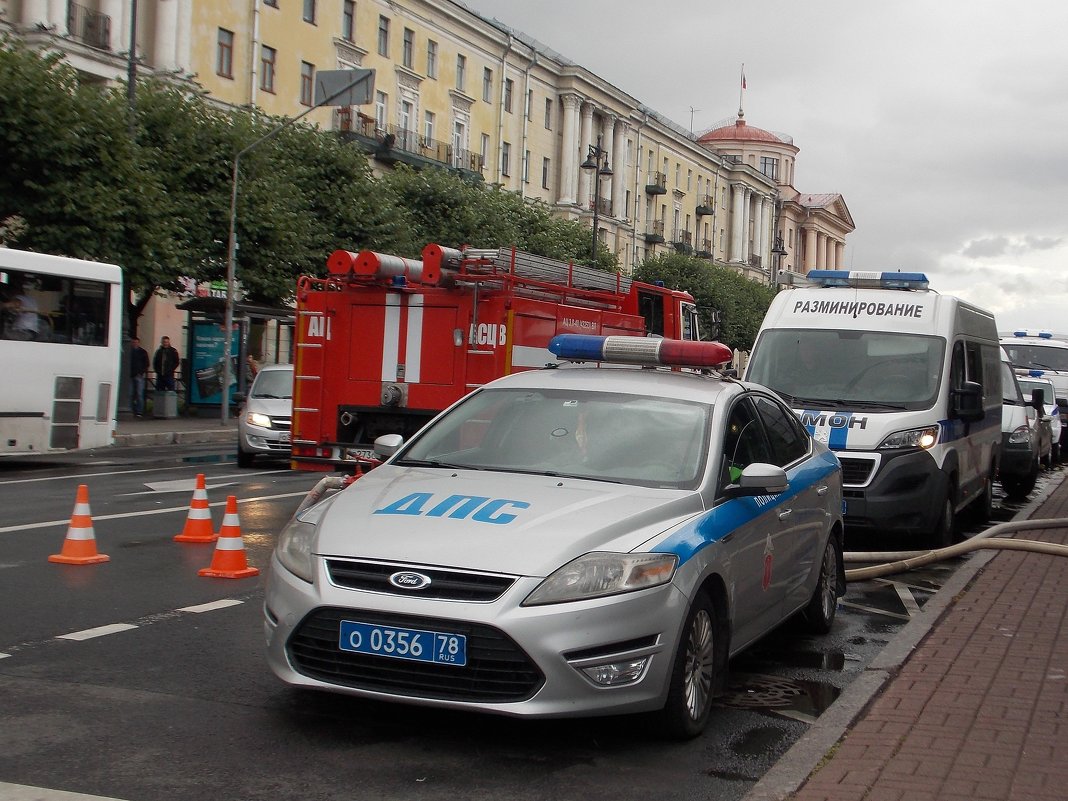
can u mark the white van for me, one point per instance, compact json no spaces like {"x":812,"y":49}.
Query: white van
{"x":1021,"y":449}
{"x":1042,"y":354}
{"x":902,"y":383}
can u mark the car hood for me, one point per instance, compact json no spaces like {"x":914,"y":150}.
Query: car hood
{"x":275,"y":407}
{"x":497,"y":522}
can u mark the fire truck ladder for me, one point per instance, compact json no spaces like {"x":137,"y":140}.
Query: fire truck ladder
{"x":550,"y":271}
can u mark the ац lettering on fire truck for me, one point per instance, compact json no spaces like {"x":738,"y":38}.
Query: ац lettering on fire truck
{"x":319,"y":326}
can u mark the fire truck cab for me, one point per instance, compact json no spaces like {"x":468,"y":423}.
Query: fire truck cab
{"x":385,"y":343}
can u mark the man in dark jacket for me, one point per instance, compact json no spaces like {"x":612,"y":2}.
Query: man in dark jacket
{"x":138,"y":372}
{"x":165,"y":362}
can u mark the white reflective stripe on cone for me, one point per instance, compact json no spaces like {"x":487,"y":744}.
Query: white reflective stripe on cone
{"x":81,"y":509}
{"x":230,"y":544}
{"x":199,"y":514}
{"x":80,"y":533}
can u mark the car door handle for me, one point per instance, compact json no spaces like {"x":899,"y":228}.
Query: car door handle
{"x":822,"y":490}
{"x":785,"y":513}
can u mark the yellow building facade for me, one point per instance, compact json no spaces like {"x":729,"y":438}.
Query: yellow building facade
{"x":453,"y":89}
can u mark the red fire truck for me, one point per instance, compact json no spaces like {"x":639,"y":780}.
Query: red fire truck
{"x":385,"y":343}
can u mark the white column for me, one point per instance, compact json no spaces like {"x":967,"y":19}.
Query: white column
{"x":165,"y":49}
{"x":747,"y":208}
{"x":34,"y":12}
{"x":57,"y":16}
{"x":120,"y":41}
{"x":839,"y":255}
{"x":737,"y":217}
{"x":569,"y":150}
{"x":113,"y":10}
{"x":585,"y":140}
{"x":619,"y":167}
{"x":762,"y":232}
{"x":821,"y":251}
{"x":184,"y":56}
{"x":810,"y":249}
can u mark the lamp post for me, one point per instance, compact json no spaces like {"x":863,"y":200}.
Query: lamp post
{"x":597,"y":161}
{"x":330,"y":86}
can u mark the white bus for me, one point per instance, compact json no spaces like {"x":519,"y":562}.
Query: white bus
{"x":60,"y":347}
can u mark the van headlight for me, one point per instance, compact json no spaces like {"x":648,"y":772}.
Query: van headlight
{"x":595,"y":575}
{"x":922,"y":438}
{"x":294,"y":549}
{"x":1020,"y":435}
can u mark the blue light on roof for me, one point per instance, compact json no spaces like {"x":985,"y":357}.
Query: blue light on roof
{"x":870,"y":280}
{"x":1035,"y":373}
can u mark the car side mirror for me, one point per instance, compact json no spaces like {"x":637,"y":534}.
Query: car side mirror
{"x":967,"y":402}
{"x":758,"y":479}
{"x":388,"y":444}
{"x":1038,"y":398}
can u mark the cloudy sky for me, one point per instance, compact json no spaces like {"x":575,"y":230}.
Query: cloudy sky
{"x":943,"y":123}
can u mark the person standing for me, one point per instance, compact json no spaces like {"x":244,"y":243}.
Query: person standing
{"x":138,"y":373}
{"x":165,"y":362}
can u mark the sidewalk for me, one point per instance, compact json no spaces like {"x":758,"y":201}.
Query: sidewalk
{"x":206,"y":427}
{"x":969,"y":701}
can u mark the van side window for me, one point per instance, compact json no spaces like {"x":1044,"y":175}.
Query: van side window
{"x":956,"y":367}
{"x":974,"y":361}
{"x":991,"y":373}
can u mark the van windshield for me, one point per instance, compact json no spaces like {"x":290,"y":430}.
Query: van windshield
{"x":1041,"y":357}
{"x":842,"y":368}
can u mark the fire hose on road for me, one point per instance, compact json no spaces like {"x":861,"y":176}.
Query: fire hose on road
{"x":900,"y":561}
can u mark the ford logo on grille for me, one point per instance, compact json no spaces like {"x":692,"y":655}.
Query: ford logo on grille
{"x":407,"y":580}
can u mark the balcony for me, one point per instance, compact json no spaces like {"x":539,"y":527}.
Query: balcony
{"x":392,"y":144}
{"x":682,"y":241}
{"x":604,"y":206}
{"x":704,"y":249}
{"x":706,"y":204}
{"x":88,"y":26}
{"x":654,"y":234}
{"x":756,"y":261}
{"x":656,"y":184}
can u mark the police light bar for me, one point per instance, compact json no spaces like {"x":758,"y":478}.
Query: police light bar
{"x":639,"y":350}
{"x":1039,"y":334}
{"x":868,"y":280}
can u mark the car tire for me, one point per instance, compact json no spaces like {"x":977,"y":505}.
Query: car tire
{"x":819,"y":615}
{"x":693,"y":674}
{"x":983,"y":506}
{"x":244,"y":458}
{"x":946,"y":529}
{"x":1018,"y":489}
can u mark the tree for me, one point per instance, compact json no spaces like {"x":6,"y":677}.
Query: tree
{"x":742,"y":303}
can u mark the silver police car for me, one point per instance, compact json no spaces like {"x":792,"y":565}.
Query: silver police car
{"x":568,"y":541}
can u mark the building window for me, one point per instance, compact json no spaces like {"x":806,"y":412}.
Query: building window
{"x":309,"y":11}
{"x":506,"y":157}
{"x":348,"y":20}
{"x":548,"y":113}
{"x":484,"y":151}
{"x":271,"y":3}
{"x":545,"y":164}
{"x":508,"y":84}
{"x":224,"y":62}
{"x":487,"y":85}
{"x":383,"y":36}
{"x":689,"y":179}
{"x":381,"y":108}
{"x":461,"y":72}
{"x":770,"y":167}
{"x":268,"y":57}
{"x":428,"y":126}
{"x":432,"y":59}
{"x":526,"y":166}
{"x":307,"y":83}
{"x":408,"y":48}
{"x":530,"y":103}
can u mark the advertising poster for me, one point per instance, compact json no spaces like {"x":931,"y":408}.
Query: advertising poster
{"x":207,"y":362}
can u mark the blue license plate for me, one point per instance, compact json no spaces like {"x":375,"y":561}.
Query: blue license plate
{"x":415,"y":645}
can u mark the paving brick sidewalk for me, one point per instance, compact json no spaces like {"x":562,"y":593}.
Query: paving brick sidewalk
{"x":979,"y":710}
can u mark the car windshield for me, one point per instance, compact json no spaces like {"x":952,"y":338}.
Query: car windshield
{"x":273,"y":384}
{"x":1045,"y":387}
{"x":837,"y":368}
{"x":1037,"y":357}
{"x":628,"y":439}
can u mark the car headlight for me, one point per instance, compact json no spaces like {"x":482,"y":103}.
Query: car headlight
{"x":595,"y":575}
{"x":1021,"y":434}
{"x":294,"y":549}
{"x":915,"y":438}
{"x":258,"y":419}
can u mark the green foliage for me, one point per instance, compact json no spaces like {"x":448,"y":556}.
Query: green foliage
{"x":741,"y":302}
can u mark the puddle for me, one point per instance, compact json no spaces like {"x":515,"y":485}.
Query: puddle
{"x":209,"y":458}
{"x":792,"y":698}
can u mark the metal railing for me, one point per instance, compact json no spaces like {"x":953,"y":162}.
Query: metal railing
{"x":395,"y":137}
{"x":604,"y":206}
{"x":657,"y":179}
{"x":681,"y":237}
{"x":655,"y":228}
{"x":88,"y":26}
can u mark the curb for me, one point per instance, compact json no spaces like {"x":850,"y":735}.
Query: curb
{"x":803,"y":758}
{"x":175,"y":438}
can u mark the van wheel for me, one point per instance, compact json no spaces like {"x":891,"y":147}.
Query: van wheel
{"x":693,"y":674}
{"x":984,"y":504}
{"x":1019,"y":489}
{"x":947,"y":523}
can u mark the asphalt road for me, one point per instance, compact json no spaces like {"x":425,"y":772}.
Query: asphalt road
{"x":139,"y":679}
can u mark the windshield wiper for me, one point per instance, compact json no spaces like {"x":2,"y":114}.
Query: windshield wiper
{"x":268,"y":395}
{"x":861,"y":404}
{"x":435,"y":463}
{"x":549,"y":473}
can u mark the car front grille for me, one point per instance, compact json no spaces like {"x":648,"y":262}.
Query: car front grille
{"x":856,"y":471}
{"x":497,"y":670}
{"x":282,"y":423}
{"x":452,"y":585}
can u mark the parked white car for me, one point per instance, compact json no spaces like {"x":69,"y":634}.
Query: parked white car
{"x":266,"y":419}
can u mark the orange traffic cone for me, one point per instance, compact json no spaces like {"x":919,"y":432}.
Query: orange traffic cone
{"x":229,"y":558}
{"x":79,"y":548}
{"x":198,"y":522}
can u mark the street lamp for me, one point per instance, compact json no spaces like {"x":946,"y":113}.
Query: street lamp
{"x":332,"y":88}
{"x":597,"y":162}
{"x":777,"y":253}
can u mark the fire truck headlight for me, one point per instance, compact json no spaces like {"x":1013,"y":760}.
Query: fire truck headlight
{"x":595,"y":575}
{"x":258,"y":419}
{"x":294,"y":549}
{"x":922,"y":438}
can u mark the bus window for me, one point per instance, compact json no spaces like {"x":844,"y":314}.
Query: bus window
{"x":48,"y":308}
{"x":651,"y":307}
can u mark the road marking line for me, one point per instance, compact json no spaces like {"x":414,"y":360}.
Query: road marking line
{"x":208,"y":607}
{"x":97,"y":518}
{"x":908,"y":600}
{"x":874,"y":610}
{"x":82,"y":476}
{"x":24,"y":792}
{"x":4,"y":656}
{"x":99,"y":631}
